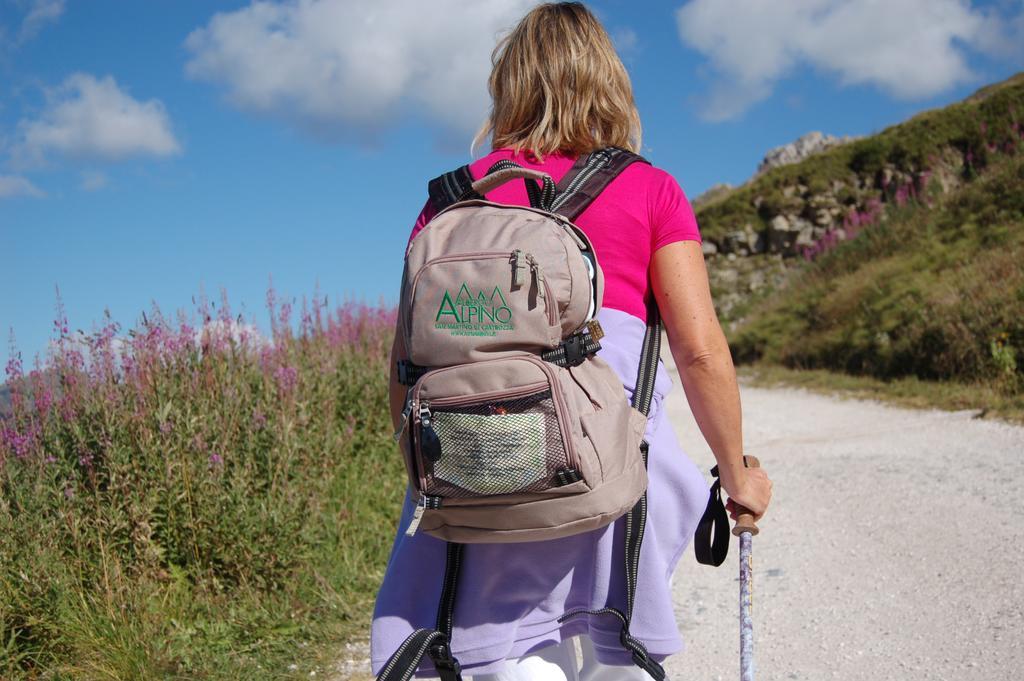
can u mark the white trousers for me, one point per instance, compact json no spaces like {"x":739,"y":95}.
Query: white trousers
{"x":559,"y":662}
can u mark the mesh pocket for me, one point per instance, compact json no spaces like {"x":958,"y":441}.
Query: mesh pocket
{"x":498,"y":447}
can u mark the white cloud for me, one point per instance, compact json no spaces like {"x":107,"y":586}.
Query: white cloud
{"x":93,"y":119}
{"x":909,"y":48}
{"x":40,"y":13}
{"x":345,"y":68}
{"x":15,"y":185}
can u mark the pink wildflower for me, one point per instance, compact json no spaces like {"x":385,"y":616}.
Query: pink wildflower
{"x":14,"y":367}
{"x":287,"y":378}
{"x":19,"y":443}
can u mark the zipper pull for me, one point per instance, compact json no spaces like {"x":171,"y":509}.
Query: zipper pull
{"x":538,"y":276}
{"x":404,"y":419}
{"x":417,"y":516}
{"x":430,"y":444}
{"x":572,"y":233}
{"x":517,"y":268}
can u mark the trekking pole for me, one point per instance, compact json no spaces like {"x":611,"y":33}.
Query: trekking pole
{"x":745,"y":529}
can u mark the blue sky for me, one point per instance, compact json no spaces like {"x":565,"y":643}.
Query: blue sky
{"x":151,"y":150}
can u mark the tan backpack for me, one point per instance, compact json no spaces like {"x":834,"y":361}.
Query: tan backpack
{"x":518,"y":431}
{"x":513,"y":428}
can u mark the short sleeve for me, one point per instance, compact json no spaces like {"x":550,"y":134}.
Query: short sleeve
{"x":672,"y":217}
{"x":426,"y":215}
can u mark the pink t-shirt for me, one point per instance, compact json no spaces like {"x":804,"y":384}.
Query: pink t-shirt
{"x":641,"y":210}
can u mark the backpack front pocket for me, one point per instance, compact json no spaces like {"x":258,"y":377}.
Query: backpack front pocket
{"x":465,"y":305}
{"x":510,"y":438}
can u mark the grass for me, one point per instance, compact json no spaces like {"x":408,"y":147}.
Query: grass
{"x":910,"y":391}
{"x":192,"y":502}
{"x":926,"y":306}
{"x":931,"y":291}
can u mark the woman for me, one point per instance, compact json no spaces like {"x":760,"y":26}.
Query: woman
{"x":559,"y":90}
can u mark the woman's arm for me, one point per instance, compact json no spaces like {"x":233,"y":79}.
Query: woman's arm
{"x":705,"y":366}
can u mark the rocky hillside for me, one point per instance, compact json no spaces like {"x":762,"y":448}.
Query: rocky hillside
{"x":802,"y":148}
{"x":791,"y":208}
{"x":796,"y":211}
{"x":896,"y":255}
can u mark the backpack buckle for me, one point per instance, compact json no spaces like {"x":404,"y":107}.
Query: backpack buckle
{"x":409,"y":373}
{"x":575,"y":350}
{"x":572,"y":351}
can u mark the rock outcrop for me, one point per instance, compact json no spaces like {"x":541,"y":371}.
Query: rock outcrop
{"x":794,"y":152}
{"x":714,"y":192}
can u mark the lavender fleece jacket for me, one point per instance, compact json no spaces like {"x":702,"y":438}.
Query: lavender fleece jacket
{"x":510,"y":595}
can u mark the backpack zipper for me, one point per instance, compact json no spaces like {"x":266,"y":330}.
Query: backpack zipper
{"x":517,"y":268}
{"x":543,"y":289}
{"x":510,"y":394}
{"x":556,"y":392}
{"x":424,"y":503}
{"x":429,"y":442}
{"x":570,"y":229}
{"x":417,"y":516}
{"x":403,"y":420}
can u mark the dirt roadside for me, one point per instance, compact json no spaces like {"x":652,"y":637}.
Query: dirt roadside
{"x":892,"y":549}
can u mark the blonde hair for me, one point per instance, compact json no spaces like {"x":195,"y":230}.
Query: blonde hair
{"x":557,"y":84}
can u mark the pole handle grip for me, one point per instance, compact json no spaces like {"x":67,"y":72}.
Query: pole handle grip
{"x":745,"y":519}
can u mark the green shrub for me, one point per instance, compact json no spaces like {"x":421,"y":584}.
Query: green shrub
{"x":196,"y":502}
{"x":869,"y":156}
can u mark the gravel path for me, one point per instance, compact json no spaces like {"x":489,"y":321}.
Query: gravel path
{"x":890,"y":551}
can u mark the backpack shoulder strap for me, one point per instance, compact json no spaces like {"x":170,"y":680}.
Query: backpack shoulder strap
{"x":451,"y":187}
{"x":434,"y":643}
{"x":588,"y":177}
